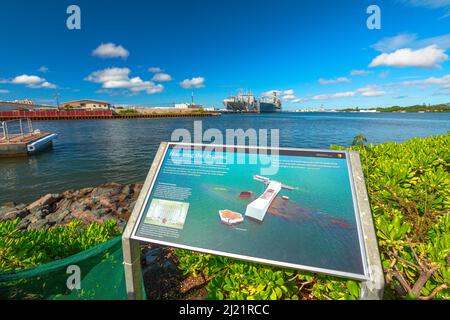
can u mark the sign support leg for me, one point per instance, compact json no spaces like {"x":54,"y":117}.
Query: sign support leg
{"x":133,"y":272}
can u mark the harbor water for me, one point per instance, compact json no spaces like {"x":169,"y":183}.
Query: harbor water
{"x":92,"y":152}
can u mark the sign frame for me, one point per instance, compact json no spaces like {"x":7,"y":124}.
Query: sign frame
{"x":372,"y":281}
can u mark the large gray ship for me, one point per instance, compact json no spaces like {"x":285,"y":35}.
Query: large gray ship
{"x":247,"y":102}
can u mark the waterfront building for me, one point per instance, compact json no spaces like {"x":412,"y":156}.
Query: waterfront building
{"x":188,"y":106}
{"x":87,"y":105}
{"x":25,"y":101}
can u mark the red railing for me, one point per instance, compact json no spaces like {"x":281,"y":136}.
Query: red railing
{"x":56,"y":114}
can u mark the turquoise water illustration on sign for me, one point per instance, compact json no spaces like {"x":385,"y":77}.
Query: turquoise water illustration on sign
{"x":303,"y":216}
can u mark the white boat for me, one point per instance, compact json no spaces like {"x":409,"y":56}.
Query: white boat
{"x":230,"y":218}
{"x":258,"y":208}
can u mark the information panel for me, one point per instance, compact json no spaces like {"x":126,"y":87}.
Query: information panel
{"x":285,"y":207}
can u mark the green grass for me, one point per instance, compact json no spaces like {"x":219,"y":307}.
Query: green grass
{"x":21,"y":249}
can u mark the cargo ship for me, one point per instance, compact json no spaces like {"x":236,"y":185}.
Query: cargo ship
{"x":247,"y":102}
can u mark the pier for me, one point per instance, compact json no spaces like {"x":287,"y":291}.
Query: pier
{"x":42,"y":115}
{"x":18,"y":139}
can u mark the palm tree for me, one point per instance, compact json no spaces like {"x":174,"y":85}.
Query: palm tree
{"x":359,"y":140}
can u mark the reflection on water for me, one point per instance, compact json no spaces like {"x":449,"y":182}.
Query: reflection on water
{"x":92,"y":152}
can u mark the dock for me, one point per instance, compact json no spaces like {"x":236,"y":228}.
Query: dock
{"x":25,"y":141}
{"x":41,"y":115}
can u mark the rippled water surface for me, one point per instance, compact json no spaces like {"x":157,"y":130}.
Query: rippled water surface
{"x":88,"y":153}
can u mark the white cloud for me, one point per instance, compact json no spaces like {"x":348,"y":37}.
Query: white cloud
{"x":288,"y":92}
{"x":334,"y":95}
{"x":162,"y":77}
{"x":119,"y":78}
{"x":374,"y":93}
{"x":43,"y":69}
{"x":298,"y":100}
{"x":32,"y":81}
{"x":278,"y":93}
{"x":196,"y":82}
{"x":333,"y":81}
{"x":110,"y":50}
{"x":442,"y":81}
{"x":428,"y":57}
{"x":289,"y":97}
{"x":359,"y":72}
{"x":410,"y":40}
{"x":155,"y":70}
{"x":390,"y":44}
{"x":431,"y":4}
{"x":285,"y":95}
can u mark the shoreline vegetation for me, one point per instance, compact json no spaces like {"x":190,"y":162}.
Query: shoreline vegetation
{"x":415,"y":108}
{"x":408,"y":185}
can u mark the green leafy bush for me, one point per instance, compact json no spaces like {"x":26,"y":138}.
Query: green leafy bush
{"x":409,"y":190}
{"x":20,"y":249}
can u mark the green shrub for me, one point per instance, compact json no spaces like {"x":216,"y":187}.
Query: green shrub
{"x":20,"y":249}
{"x":409,"y":190}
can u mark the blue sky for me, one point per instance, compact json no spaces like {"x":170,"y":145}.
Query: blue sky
{"x":313,"y":53}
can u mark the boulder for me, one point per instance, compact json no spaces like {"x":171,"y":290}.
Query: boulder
{"x":8,"y":215}
{"x":48,"y":199}
{"x":58,"y":216}
{"x":38,"y":224}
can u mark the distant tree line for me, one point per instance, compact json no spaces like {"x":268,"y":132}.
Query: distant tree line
{"x":415,"y":108}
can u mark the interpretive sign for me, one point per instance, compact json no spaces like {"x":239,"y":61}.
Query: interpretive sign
{"x":224,"y":200}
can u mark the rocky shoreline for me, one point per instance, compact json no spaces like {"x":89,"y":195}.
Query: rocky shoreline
{"x":162,"y":278}
{"x":105,"y":202}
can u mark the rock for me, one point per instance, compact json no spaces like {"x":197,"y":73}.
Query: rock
{"x":38,"y":224}
{"x":152,"y":255}
{"x":23,"y":224}
{"x":131,"y":206}
{"x":58,"y":216}
{"x":170,"y":266}
{"x":21,"y":206}
{"x":8,"y":205}
{"x":107,"y":201}
{"x":64,"y":204}
{"x":48,"y":199}
{"x":11,"y":215}
{"x":137,"y":187}
{"x":23,"y":213}
{"x":126,"y":190}
{"x":85,"y":191}
{"x":86,"y":217}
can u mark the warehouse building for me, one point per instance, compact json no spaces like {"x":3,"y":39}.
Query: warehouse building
{"x":87,"y":105}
